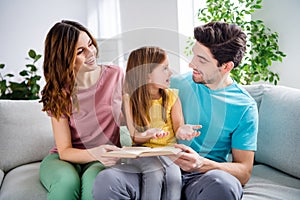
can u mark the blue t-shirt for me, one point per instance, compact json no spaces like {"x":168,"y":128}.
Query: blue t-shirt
{"x":229,"y":117}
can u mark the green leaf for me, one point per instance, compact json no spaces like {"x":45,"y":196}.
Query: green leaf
{"x":32,"y":67}
{"x":37,"y":58}
{"x":9,"y":75}
{"x":269,"y":61}
{"x":2,"y":66}
{"x":256,"y":6}
{"x":257,"y":78}
{"x":24,"y":73}
{"x":32,"y":54}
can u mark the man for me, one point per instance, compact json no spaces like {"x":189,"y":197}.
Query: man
{"x":228,"y":114}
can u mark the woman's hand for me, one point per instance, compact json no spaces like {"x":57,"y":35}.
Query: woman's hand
{"x":188,"y":132}
{"x":97,"y":152}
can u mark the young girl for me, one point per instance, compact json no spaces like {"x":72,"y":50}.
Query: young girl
{"x":83,"y":100}
{"x":154,"y":118}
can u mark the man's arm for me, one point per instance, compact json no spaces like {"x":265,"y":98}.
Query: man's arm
{"x":240,"y":167}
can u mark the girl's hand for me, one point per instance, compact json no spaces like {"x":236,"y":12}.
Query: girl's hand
{"x":188,"y":132}
{"x":154,"y":133}
{"x":97,"y":152}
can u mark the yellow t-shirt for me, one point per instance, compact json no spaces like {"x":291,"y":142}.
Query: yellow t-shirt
{"x":156,"y":121}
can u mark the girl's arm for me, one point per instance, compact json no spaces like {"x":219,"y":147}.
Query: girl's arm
{"x":181,"y":130}
{"x":62,"y":137}
{"x":176,"y":115}
{"x":136,"y":136}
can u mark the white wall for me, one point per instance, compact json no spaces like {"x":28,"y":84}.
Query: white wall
{"x":154,"y":22}
{"x":284,"y":17}
{"x":24,"y":25}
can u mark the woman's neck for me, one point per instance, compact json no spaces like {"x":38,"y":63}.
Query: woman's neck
{"x":88,"y":79}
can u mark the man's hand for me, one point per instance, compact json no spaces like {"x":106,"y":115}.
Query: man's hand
{"x":188,"y":160}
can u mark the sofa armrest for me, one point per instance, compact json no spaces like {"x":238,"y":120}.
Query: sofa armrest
{"x":1,"y":177}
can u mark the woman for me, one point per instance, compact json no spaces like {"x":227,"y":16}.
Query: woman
{"x":83,"y":100}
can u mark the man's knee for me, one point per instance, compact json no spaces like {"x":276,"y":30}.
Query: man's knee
{"x":224,"y":184}
{"x":214,"y":184}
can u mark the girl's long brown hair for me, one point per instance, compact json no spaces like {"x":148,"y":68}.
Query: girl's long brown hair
{"x":141,"y":63}
{"x":59,"y":59}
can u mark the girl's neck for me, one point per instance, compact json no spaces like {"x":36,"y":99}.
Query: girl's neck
{"x":154,"y":92}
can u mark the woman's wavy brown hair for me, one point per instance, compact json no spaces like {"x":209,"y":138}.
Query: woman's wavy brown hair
{"x":141,"y":63}
{"x":59,"y":60}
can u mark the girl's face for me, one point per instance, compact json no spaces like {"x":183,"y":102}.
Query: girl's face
{"x":86,"y":54}
{"x":160,"y":76}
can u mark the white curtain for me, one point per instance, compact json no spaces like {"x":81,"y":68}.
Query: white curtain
{"x":104,"y":18}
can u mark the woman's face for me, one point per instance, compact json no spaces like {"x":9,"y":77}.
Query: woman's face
{"x":86,"y":54}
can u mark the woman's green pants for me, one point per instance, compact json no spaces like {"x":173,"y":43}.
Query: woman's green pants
{"x":68,"y":181}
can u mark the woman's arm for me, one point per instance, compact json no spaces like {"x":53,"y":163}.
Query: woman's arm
{"x":62,"y":137}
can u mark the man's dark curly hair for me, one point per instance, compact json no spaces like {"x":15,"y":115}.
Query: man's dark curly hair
{"x":227,"y":42}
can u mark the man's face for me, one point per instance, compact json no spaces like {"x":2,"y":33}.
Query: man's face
{"x":204,"y":65}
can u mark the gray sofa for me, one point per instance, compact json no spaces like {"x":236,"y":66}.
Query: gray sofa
{"x":26,"y":137}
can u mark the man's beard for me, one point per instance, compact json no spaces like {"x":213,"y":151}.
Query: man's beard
{"x":202,"y":81}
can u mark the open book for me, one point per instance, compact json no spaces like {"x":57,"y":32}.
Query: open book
{"x":134,"y":152}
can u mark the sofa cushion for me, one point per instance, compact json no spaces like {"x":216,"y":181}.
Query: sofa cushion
{"x":125,"y":138}
{"x":1,"y":177}
{"x":257,"y":91}
{"x":268,"y":183}
{"x":23,"y":183}
{"x":26,"y":134}
{"x":278,"y":132}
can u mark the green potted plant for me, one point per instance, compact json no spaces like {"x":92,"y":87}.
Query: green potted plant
{"x":262,"y":44}
{"x":28,"y":88}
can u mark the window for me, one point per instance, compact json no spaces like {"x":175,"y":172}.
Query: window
{"x":104,"y":23}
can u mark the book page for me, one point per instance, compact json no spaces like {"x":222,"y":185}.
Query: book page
{"x":134,"y":152}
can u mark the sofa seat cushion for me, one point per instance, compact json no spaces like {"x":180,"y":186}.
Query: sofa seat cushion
{"x":278,"y":131}
{"x":23,"y":183}
{"x":268,"y":183}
